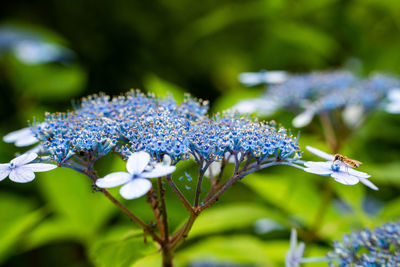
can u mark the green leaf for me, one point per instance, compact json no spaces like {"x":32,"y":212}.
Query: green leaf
{"x":162,"y":87}
{"x":120,"y":247}
{"x":294,"y":195}
{"x":234,"y":249}
{"x":48,"y":81}
{"x":233,"y":97}
{"x":228,"y":217}
{"x":390,"y":211}
{"x":78,"y":210}
{"x":53,"y":230}
{"x":17,"y":218}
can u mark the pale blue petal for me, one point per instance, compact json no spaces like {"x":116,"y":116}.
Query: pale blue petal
{"x":368,"y":183}
{"x":41,"y":167}
{"x":114,"y":179}
{"x":135,"y":189}
{"x":293,"y":239}
{"x":22,"y":174}
{"x":318,"y":164}
{"x":345,"y":178}
{"x":358,"y":173}
{"x":24,"y":159}
{"x":158,"y":171}
{"x":320,"y":153}
{"x":299,"y":251}
{"x":323,"y":172}
{"x":4,"y":170}
{"x":137,"y":162}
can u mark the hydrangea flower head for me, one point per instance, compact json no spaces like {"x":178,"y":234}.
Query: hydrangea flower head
{"x":135,"y":182}
{"x":20,"y":170}
{"x":136,"y":122}
{"x":340,"y":172}
{"x":379,"y":247}
{"x":322,"y":92}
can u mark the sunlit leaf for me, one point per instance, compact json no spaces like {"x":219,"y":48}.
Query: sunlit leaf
{"x":120,"y":247}
{"x":229,"y":217}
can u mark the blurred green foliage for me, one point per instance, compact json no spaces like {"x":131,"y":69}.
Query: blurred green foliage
{"x":198,"y":47}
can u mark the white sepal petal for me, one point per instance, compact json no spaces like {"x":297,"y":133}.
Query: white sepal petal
{"x":41,"y":167}
{"x":303,"y":119}
{"x":320,"y":153}
{"x":137,"y":162}
{"x":26,"y":141}
{"x":22,"y":174}
{"x":393,"y":108}
{"x":368,"y":183}
{"x":4,"y":170}
{"x":16,"y":135}
{"x":353,"y":115}
{"x":158,"y":171}
{"x":213,"y":170}
{"x":114,"y":179}
{"x":394,"y":95}
{"x":24,"y":159}
{"x":345,"y":178}
{"x":135,"y":189}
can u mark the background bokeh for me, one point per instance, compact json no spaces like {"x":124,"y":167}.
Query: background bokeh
{"x":53,"y":52}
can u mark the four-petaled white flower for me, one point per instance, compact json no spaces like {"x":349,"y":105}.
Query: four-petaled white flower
{"x":135,"y":181}
{"x":22,"y":137}
{"x":295,"y":253}
{"x":20,"y":171}
{"x":340,"y":172}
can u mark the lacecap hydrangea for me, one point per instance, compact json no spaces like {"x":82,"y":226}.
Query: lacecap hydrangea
{"x":159,"y":126}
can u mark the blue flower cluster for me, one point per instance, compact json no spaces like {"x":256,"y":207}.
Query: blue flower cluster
{"x":159,"y":126}
{"x":380,"y":247}
{"x":326,"y":91}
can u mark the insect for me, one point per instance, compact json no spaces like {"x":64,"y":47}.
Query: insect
{"x":347,"y":161}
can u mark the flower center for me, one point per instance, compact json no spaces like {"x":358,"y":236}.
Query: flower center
{"x":335,"y":167}
{"x":12,"y":165}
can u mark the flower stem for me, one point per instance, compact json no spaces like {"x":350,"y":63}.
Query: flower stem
{"x":163,"y":210}
{"x":131,"y":216}
{"x":152,"y":199}
{"x":179,"y":194}
{"x":199,"y":182}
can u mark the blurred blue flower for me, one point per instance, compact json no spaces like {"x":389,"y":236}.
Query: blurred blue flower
{"x":31,"y":47}
{"x":135,"y":180}
{"x":20,"y":171}
{"x":379,"y":247}
{"x":320,"y":92}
